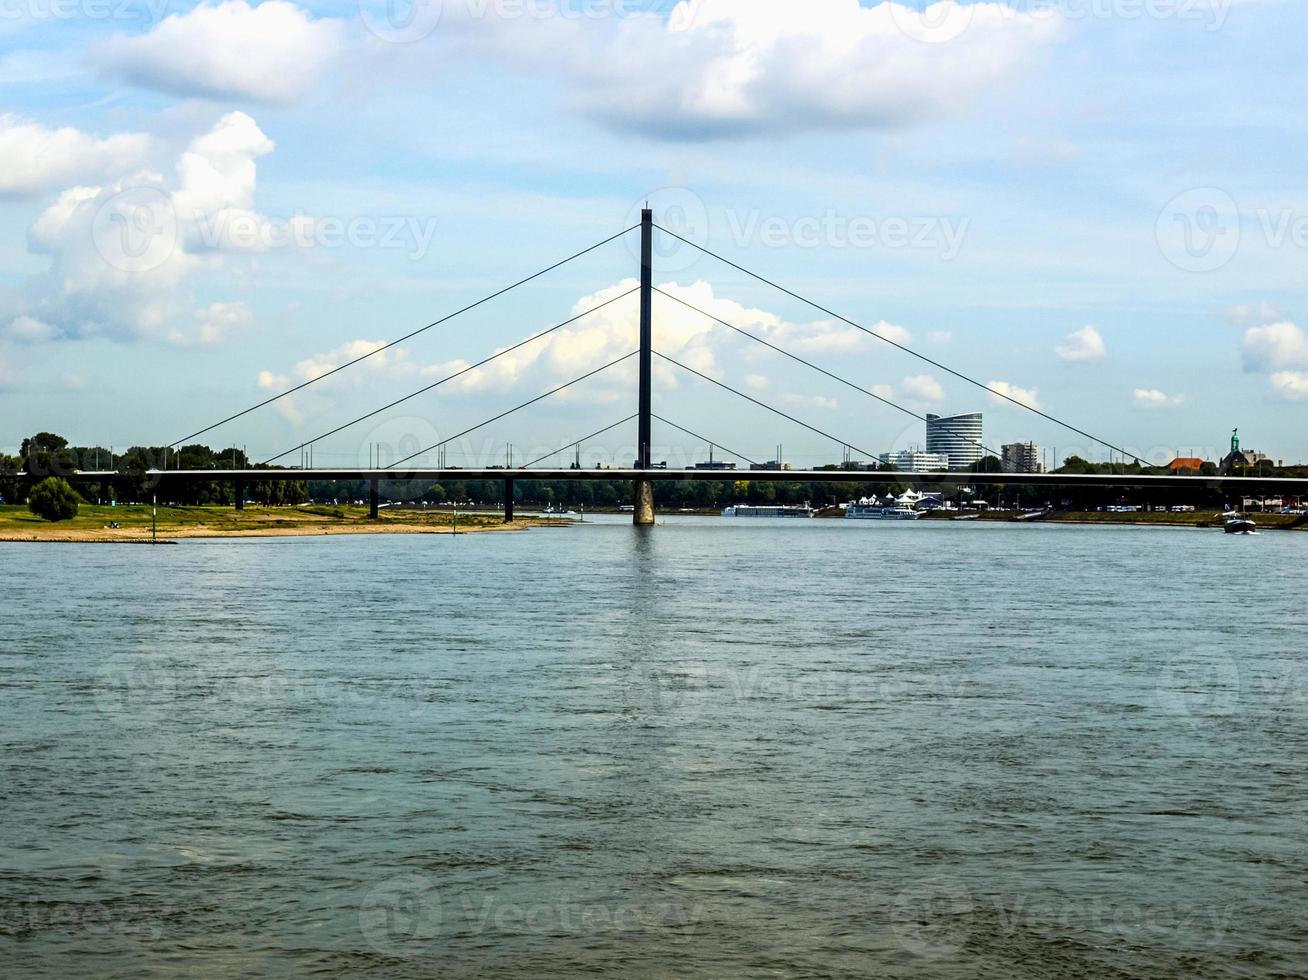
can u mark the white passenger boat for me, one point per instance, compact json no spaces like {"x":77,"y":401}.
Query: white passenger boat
{"x":875,"y":512}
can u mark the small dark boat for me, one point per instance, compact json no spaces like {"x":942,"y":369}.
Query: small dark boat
{"x":1239,"y":524}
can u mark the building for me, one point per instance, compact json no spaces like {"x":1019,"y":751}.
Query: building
{"x":914,"y":461}
{"x":776,"y":465}
{"x":1239,"y":458}
{"x":956,"y":436}
{"x":1021,"y":457}
{"x":1185,"y":464}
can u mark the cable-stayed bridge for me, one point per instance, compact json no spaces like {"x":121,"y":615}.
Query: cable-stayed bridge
{"x":644,"y":474}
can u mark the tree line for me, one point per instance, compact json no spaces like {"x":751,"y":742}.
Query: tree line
{"x":47,"y":454}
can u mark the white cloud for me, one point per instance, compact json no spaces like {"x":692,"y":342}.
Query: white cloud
{"x":120,"y":252}
{"x":1246,"y":314}
{"x":722,"y":68}
{"x":1291,"y":385}
{"x":274,"y":52}
{"x":215,"y":324}
{"x":812,"y":401}
{"x":1002,"y":391}
{"x":923,"y":388}
{"x":1082,"y":346}
{"x":1153,"y":398}
{"x":29,"y":330}
{"x":34,"y":158}
{"x":595,"y":339}
{"x":1277,"y":345}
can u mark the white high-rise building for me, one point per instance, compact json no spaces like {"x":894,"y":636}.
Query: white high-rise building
{"x":956,"y":436}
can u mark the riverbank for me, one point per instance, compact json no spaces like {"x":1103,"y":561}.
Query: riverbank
{"x":92,"y":524}
{"x":1199,"y":519}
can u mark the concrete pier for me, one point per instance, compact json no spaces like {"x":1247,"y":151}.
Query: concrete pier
{"x":644,"y":500}
{"x":240,"y":494}
{"x":508,"y":501}
{"x":374,"y":498}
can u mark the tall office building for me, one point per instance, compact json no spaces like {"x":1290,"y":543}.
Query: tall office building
{"x":1022,"y":457}
{"x":957,"y":436}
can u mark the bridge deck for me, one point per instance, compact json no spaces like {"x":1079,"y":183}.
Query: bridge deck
{"x":1290,"y":485}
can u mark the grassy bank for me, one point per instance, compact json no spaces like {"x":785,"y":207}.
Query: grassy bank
{"x":92,"y":523}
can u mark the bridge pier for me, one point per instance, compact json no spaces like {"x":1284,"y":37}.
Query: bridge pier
{"x":374,"y":498}
{"x":644,"y":501}
{"x":238,"y":489}
{"x":508,"y":501}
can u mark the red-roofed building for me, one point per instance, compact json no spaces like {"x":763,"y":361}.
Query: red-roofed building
{"x":1185,"y":464}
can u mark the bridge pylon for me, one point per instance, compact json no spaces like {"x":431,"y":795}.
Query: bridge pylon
{"x":643,"y":490}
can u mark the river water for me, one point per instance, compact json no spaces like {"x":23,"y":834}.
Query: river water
{"x":712,"y":748}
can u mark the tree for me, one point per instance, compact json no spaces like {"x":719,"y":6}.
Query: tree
{"x":46,"y":454}
{"x":53,"y":499}
{"x":10,"y":487}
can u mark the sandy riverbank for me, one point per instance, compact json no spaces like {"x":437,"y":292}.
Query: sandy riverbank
{"x":92,"y":525}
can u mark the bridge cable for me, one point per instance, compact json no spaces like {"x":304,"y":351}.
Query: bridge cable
{"x":906,"y":350}
{"x":408,"y":336}
{"x":696,"y":435}
{"x":796,"y":357}
{"x":457,"y":374}
{"x":518,"y":408}
{"x":775,"y":411}
{"x":580,"y":441}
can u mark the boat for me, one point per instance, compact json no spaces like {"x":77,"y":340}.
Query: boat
{"x":768,"y":510}
{"x":1239,"y":524}
{"x":875,"y":512}
{"x":549,"y":511}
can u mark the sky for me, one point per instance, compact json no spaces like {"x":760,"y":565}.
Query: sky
{"x":1094,"y":207}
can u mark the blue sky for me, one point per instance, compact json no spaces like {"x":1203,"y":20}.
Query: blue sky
{"x":1094,"y":205}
